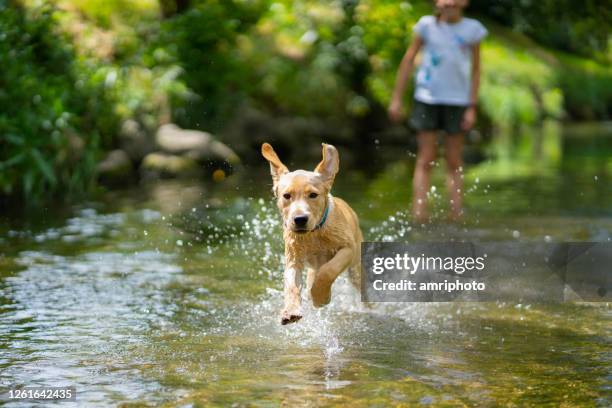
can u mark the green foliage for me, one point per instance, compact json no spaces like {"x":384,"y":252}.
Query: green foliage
{"x":50,"y":108}
{"x":587,"y":86}
{"x":70,"y":76}
{"x":202,"y":44}
{"x":296,"y":52}
{"x":582,"y":27}
{"x":388,"y":34}
{"x":524,"y":91}
{"x":315,"y":58}
{"x":105,"y":13}
{"x":525,"y":83}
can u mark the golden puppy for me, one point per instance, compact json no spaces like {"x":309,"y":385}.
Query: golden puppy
{"x":321,"y":232}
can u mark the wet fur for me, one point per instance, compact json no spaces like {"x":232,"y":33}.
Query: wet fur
{"x":324,"y":252}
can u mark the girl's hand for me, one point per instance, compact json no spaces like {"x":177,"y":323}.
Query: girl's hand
{"x":469,"y":118}
{"x":395,"y":111}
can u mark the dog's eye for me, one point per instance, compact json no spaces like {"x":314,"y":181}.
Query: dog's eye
{"x":313,"y":195}
{"x":287,"y":196}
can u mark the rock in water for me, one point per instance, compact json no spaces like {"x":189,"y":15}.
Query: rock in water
{"x":115,"y":168}
{"x":135,"y":141}
{"x":167,"y":165}
{"x":195,"y":144}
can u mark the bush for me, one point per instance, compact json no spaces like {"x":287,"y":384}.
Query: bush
{"x":587,"y":86}
{"x":50,"y":122}
{"x":580,"y":27}
{"x":202,"y":43}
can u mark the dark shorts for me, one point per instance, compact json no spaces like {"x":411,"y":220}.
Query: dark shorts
{"x":437,"y":117}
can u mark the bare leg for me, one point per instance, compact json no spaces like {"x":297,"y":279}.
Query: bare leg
{"x":454,"y":173}
{"x":420,"y":183}
{"x":327,"y":274}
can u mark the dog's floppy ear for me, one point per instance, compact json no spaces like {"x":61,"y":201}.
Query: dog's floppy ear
{"x":329,"y":165}
{"x":277,"y":168}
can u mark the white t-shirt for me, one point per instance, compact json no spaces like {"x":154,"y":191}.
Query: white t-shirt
{"x":444,"y":75}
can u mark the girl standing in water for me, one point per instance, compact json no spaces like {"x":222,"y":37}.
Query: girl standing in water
{"x":445,"y":96}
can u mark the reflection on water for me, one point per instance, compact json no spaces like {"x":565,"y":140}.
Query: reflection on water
{"x":169,"y":295}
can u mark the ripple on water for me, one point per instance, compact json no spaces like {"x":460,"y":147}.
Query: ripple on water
{"x":132,"y":316}
{"x":72,"y":317}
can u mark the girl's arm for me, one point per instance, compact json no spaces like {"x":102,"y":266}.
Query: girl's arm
{"x":469,"y":118}
{"x":405,"y":68}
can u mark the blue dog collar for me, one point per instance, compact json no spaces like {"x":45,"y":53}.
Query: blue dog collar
{"x":325,"y":213}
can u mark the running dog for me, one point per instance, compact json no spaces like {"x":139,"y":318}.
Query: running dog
{"x":321,"y":232}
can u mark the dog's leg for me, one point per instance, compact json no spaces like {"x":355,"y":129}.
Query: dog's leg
{"x":292,"y":312}
{"x":327,"y":274}
{"x":312,"y":266}
{"x":311,"y":272}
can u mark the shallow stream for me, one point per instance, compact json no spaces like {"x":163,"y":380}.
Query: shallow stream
{"x":168,"y":295}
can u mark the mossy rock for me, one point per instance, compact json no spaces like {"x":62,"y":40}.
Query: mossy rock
{"x":169,"y":166}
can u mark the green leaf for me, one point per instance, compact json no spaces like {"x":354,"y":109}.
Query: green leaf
{"x":43,"y":166}
{"x":12,"y":161}
{"x":14,"y":139}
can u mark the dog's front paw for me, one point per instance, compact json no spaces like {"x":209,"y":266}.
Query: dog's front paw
{"x":290,"y":315}
{"x":320,"y":292}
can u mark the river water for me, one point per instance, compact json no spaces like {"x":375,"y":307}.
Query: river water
{"x":168,"y":294}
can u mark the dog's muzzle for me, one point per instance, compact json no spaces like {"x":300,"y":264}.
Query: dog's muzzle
{"x":300,"y":222}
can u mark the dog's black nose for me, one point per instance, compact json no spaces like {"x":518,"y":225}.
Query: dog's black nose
{"x":300,"y":221}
